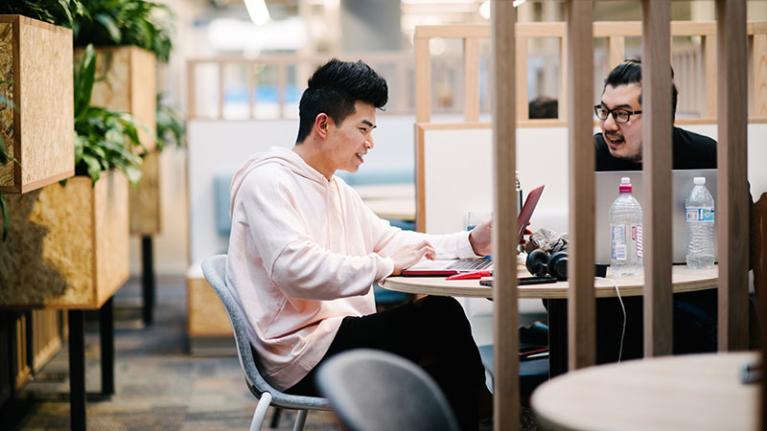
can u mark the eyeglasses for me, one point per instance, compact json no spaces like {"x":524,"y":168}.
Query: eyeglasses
{"x":620,"y":116}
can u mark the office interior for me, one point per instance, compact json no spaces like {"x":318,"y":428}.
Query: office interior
{"x":107,"y":320}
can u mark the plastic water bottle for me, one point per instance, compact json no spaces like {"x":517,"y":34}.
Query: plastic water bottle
{"x":699,"y":212}
{"x":625,"y":233}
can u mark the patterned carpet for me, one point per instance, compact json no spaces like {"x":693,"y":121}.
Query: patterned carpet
{"x":158,"y":385}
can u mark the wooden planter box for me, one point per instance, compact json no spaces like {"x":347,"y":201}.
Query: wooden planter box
{"x":145,"y":210}
{"x":36,"y":75}
{"x":67,"y":246}
{"x":206,"y":315}
{"x":130,"y":86}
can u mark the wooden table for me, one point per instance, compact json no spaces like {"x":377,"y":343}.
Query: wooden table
{"x":690,"y":392}
{"x":555,"y":296}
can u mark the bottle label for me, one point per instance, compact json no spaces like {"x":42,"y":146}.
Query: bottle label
{"x":618,"y":241}
{"x":636,"y":235}
{"x":699,"y":214}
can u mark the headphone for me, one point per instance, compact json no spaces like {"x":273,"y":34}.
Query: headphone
{"x":541,"y":263}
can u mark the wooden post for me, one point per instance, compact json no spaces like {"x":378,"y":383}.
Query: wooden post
{"x":505,"y":240}
{"x":759,"y":62}
{"x":422,"y":79}
{"x":732,"y":211}
{"x":616,"y":50}
{"x":581,"y":301}
{"x":521,"y":78}
{"x":656,"y":176}
{"x":471,"y":79}
{"x":709,"y":60}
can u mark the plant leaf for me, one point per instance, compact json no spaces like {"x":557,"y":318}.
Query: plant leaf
{"x":109,"y":25}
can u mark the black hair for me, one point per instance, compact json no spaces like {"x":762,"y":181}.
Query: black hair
{"x":630,"y":72}
{"x":334,"y":88}
{"x":543,"y":107}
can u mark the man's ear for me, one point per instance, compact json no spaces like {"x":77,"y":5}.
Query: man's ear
{"x":321,"y":124}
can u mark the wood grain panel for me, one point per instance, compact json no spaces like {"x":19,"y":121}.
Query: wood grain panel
{"x":581,"y":303}
{"x":656,"y":177}
{"x":36,"y":75}
{"x":505,"y":321}
{"x":206,"y":313}
{"x":732,"y":213}
{"x":759,"y":75}
{"x":67,"y":246}
{"x":145,"y":208}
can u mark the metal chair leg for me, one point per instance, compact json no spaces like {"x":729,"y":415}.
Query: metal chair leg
{"x":260,"y":413}
{"x":275,"y":422}
{"x":300,"y":420}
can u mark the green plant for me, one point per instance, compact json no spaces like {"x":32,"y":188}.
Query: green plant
{"x":104,"y":139}
{"x":59,"y":12}
{"x":170,"y":128}
{"x":143,"y":23}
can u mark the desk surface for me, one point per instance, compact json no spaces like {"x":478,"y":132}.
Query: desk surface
{"x":683,"y":279}
{"x":696,"y":392}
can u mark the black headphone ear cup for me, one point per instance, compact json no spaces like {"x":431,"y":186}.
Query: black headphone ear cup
{"x":558,"y":265}
{"x":537,"y":262}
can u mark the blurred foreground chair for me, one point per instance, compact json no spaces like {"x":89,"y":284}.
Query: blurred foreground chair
{"x":214,"y":269}
{"x":373,"y":390}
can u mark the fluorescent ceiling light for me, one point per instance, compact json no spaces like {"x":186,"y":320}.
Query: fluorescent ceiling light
{"x":258,"y":12}
{"x":518,"y":3}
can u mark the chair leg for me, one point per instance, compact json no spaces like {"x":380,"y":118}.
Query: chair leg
{"x":260,"y":413}
{"x":298,"y":425}
{"x":275,"y":422}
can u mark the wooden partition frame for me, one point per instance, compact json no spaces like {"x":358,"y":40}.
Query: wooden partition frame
{"x":615,"y":32}
{"x":505,"y":294}
{"x":733,"y":227}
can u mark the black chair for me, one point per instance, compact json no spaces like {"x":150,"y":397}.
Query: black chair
{"x":373,"y":390}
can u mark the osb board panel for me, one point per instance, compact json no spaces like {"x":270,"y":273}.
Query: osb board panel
{"x":130,"y":86}
{"x":145,"y":210}
{"x":46,"y":336}
{"x":50,"y":258}
{"x":206,"y":315}
{"x":40,"y":86}
{"x":112,"y":239}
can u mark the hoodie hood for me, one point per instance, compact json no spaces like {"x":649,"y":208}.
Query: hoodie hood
{"x":285,"y":157}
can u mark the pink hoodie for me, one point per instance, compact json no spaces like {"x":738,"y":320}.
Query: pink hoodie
{"x":303,"y":254}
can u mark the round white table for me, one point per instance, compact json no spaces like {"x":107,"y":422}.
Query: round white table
{"x":689,"y":392}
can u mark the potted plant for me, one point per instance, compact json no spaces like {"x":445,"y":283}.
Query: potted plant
{"x":68,"y":243}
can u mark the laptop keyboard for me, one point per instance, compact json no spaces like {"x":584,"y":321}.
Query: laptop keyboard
{"x":470,"y":264}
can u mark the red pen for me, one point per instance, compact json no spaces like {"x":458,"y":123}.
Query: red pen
{"x":470,"y":275}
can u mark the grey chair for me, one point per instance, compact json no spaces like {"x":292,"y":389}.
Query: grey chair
{"x":372,"y":390}
{"x":214,"y":269}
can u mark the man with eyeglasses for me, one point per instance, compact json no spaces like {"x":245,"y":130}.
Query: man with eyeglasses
{"x":619,"y":148}
{"x":619,"y":145}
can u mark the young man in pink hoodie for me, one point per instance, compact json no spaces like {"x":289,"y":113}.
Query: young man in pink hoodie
{"x":304,"y":252}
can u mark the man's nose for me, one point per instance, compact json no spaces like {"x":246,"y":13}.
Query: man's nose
{"x":610,"y":123}
{"x":369,"y":144}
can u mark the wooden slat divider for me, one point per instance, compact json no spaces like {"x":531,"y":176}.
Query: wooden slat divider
{"x":581,"y":301}
{"x":221,"y":90}
{"x":732,"y":216}
{"x":471,"y":79}
{"x":521,"y":78}
{"x":281,"y":72}
{"x":422,"y":80}
{"x":191,"y":100}
{"x":759,"y":74}
{"x":656,"y":177}
{"x":250,"y":71}
{"x":506,"y":337}
{"x":616,"y":50}
{"x":709,"y":61}
{"x":563,"y":104}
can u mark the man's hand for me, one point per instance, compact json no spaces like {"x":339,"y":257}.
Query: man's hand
{"x":409,"y":255}
{"x":481,"y":238}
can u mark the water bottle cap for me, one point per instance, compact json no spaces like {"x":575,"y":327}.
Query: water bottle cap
{"x":698,"y":181}
{"x":625,"y":185}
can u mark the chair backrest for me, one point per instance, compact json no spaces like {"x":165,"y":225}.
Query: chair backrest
{"x":375,"y":390}
{"x":214,"y":269}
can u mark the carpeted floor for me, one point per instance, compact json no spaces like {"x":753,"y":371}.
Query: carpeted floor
{"x":158,"y":385}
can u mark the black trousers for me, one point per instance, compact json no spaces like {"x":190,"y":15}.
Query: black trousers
{"x":432,"y":332}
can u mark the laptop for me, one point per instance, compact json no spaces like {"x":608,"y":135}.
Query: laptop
{"x":682,"y":184}
{"x":447,"y":267}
